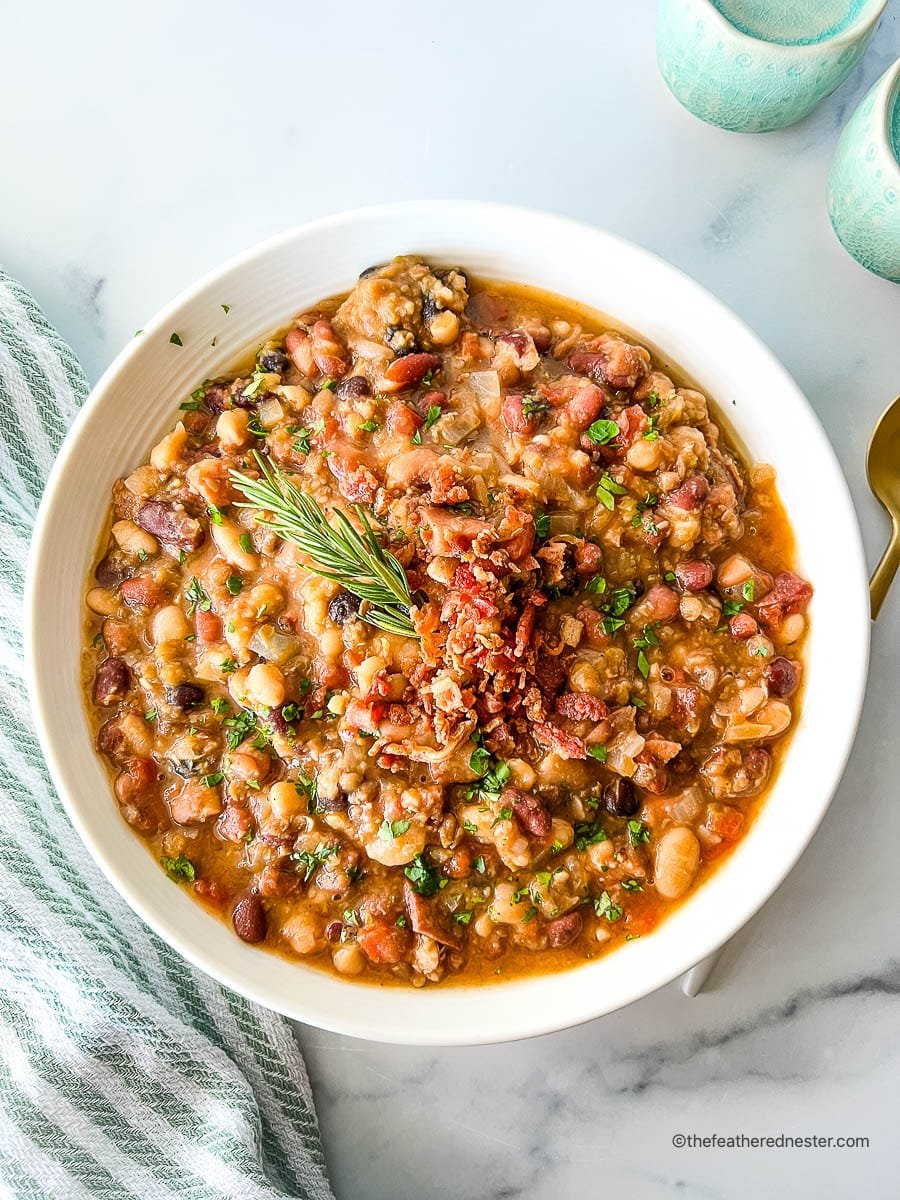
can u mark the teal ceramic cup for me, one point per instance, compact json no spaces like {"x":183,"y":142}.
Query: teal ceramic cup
{"x":756,"y":65}
{"x":864,"y":183}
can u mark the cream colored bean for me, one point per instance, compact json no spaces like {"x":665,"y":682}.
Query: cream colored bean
{"x":444,"y":328}
{"x":521,"y":774}
{"x":102,"y":601}
{"x":759,"y":646}
{"x":265,"y":685}
{"x":263,"y":600}
{"x":137,"y":733}
{"x":645,"y":455}
{"x":134,"y":540}
{"x":169,"y":624}
{"x":337,"y":704}
{"x":232,"y":428}
{"x":791,"y":629}
{"x":677,"y":862}
{"x":167,"y":453}
{"x":348,"y":959}
{"x":227,"y":539}
{"x":399,"y":850}
{"x":561,"y":833}
{"x":237,"y":685}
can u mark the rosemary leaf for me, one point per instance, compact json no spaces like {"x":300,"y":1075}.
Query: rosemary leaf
{"x":357,"y":561}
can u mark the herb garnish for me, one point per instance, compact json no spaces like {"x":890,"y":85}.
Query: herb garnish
{"x":310,"y":860}
{"x":603,"y":432}
{"x":424,"y":879}
{"x":197,"y":597}
{"x":608,"y":489}
{"x":180,"y":869}
{"x":605,"y":906}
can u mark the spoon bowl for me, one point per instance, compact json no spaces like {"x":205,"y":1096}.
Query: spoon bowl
{"x":883,"y":471}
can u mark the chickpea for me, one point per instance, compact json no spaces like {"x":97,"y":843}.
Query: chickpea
{"x":348,"y":959}
{"x":366,"y":672}
{"x":331,"y":643}
{"x":232,"y":428}
{"x":677,"y":862}
{"x":791,"y":629}
{"x":303,"y":932}
{"x":399,"y":850}
{"x":167,"y":454}
{"x":265,"y":685}
{"x":645,"y":455}
{"x":102,"y":601}
{"x":169,"y":624}
{"x":504,"y":910}
{"x":134,"y":540}
{"x":444,"y":328}
{"x":227,"y":539}
{"x":265,"y":599}
{"x":561,"y":833}
{"x":237,"y":685}
{"x":286,"y":801}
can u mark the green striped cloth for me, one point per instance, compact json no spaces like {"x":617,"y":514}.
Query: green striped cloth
{"x":123,"y":1072}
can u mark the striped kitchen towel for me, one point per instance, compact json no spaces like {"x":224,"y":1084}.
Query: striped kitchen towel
{"x":124,"y":1073}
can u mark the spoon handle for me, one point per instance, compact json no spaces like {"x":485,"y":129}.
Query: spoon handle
{"x":885,"y":571}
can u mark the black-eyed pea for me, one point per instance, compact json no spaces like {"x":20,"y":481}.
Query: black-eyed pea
{"x":227,"y":538}
{"x":168,"y":452}
{"x":102,"y":601}
{"x":134,"y":540}
{"x":265,"y":685}
{"x":233,"y":428}
{"x":348,"y":959}
{"x":677,"y":862}
{"x":169,"y":624}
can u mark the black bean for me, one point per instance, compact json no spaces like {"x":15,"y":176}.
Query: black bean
{"x":344,"y":606}
{"x":185,"y":695}
{"x":620,"y":798}
{"x":172,"y":526}
{"x":249,"y":918}
{"x":274,"y":362}
{"x":354,"y":387}
{"x":112,"y":681}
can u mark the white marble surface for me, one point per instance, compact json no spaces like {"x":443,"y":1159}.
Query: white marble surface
{"x":143,"y":144}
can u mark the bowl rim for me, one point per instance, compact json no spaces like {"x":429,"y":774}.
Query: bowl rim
{"x":862,"y":24}
{"x":528,"y":1024}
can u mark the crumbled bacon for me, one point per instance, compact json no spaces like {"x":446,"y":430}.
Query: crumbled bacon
{"x":566,"y":745}
{"x":581,"y":706}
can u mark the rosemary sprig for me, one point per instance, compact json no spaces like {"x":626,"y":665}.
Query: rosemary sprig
{"x":356,"y":561}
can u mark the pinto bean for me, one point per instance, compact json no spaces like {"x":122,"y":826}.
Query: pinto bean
{"x":564,"y":929}
{"x":354,"y":387}
{"x":782,"y":676}
{"x":514,"y":416}
{"x":530,"y":812}
{"x":742,"y":626}
{"x":142,"y":592}
{"x":695,"y":575}
{"x":249,"y":918}
{"x":136,"y":789}
{"x":171,"y":525}
{"x":659,"y":604}
{"x":112,"y":681}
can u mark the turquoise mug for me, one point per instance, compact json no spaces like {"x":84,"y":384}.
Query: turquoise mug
{"x":864,"y":183}
{"x":756,"y":65}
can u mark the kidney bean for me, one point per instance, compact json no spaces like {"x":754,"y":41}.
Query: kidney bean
{"x":185,"y":695}
{"x":333,"y":931}
{"x":110,"y":571}
{"x":354,"y":387}
{"x":514,"y":417}
{"x":564,"y":929}
{"x":782,"y":676}
{"x":143,"y":591}
{"x":530,"y":813}
{"x":329,"y":354}
{"x":136,"y":791}
{"x":112,"y":681}
{"x":411,"y":368}
{"x":689,"y":495}
{"x":208,"y":626}
{"x":742,"y":626}
{"x":694,"y":576}
{"x":249,"y":918}
{"x":172,"y":526}
{"x":620,"y":798}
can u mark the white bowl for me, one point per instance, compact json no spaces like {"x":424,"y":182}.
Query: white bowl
{"x":136,"y":401}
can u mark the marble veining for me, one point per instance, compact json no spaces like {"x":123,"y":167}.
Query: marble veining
{"x":170,"y":166}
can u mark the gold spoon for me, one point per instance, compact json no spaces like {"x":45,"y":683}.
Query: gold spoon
{"x":883,"y":470}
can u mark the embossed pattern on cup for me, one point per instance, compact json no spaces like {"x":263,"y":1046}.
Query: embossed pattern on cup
{"x":863,"y":194}
{"x":757,"y":65}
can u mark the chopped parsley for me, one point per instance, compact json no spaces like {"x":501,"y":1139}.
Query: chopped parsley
{"x":731,"y":608}
{"x":651,"y":434}
{"x":197,"y":597}
{"x":369,"y":426}
{"x":493,"y":774}
{"x":530,"y":915}
{"x":304,"y":435}
{"x":180,"y":869}
{"x":175,"y":340}
{"x":392,"y":829}
{"x":227,"y":666}
{"x":434,"y":414}
{"x":311,"y":860}
{"x":215,"y":514}
{"x":590,"y":833}
{"x":424,"y":879}
{"x":608,"y":489}
{"x":239,"y":727}
{"x":631,"y":885}
{"x":596,"y":586}
{"x":463,"y":918}
{"x":246,"y":543}
{"x":226,"y":309}
{"x":748,"y":590}
{"x":213,"y":780}
{"x":479,"y":864}
{"x":638,"y":833}
{"x":533,"y":405}
{"x":541,"y":525}
{"x":598,"y":752}
{"x":602,"y":432}
{"x":234,"y":583}
{"x":605,"y":906}
{"x":220,"y":705}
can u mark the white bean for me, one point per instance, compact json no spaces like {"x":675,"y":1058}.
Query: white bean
{"x":169,"y":624}
{"x":265,"y":685}
{"x":227,"y":538}
{"x":677,"y":862}
{"x":134,"y":540}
